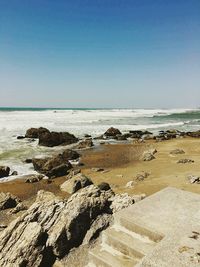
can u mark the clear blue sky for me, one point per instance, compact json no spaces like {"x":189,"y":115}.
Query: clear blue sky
{"x":100,"y":53}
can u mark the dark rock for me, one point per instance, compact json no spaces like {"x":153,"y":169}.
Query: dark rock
{"x":14,"y":173}
{"x":34,"y":178}
{"x":20,"y":137}
{"x":4,"y":171}
{"x":195,"y":134}
{"x":69,"y":154}
{"x":38,"y":164}
{"x":28,"y":161}
{"x":87,"y":136}
{"x":104,"y":186}
{"x":51,"y":139}
{"x":35,"y":132}
{"x":59,"y":171}
{"x":194,"y":179}
{"x":112,"y":132}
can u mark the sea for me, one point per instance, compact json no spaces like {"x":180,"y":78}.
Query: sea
{"x":80,"y":121}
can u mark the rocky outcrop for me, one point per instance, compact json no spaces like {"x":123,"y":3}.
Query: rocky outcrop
{"x":58,"y":165}
{"x":4,"y":171}
{"x":35,"y":132}
{"x":8,"y":201}
{"x":112,"y":132}
{"x":51,"y":227}
{"x":195,"y":134}
{"x":75,"y":183}
{"x":85,"y":144}
{"x":51,"y":139}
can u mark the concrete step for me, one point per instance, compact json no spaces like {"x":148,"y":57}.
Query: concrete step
{"x":128,"y":243}
{"x":106,"y":256}
{"x":138,"y":227}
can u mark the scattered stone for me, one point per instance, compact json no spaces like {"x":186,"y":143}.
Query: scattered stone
{"x":75,"y":183}
{"x":148,"y":156}
{"x":141,"y":176}
{"x":177,"y":152}
{"x":69,"y":154}
{"x":194,"y":179}
{"x":184,"y":161}
{"x":112,"y":132}
{"x":104,"y":186}
{"x":4,"y":171}
{"x":59,"y":171}
{"x":130,"y":184}
{"x":2,"y":227}
{"x":8,"y":201}
{"x":195,"y":134}
{"x":85,"y":144}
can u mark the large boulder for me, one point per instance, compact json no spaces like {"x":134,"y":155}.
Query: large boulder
{"x":58,"y":165}
{"x":8,"y":201}
{"x":4,"y":171}
{"x":75,"y":183}
{"x":112,"y":132}
{"x":35,"y":132}
{"x":51,"y":139}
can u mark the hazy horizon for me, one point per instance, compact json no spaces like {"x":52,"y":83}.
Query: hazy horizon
{"x":105,"y":54}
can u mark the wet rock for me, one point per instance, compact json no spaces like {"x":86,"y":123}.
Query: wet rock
{"x":35,"y":132}
{"x":75,"y":183}
{"x":112,"y":132}
{"x":139,"y":133}
{"x":51,"y":139}
{"x":4,"y":171}
{"x":57,"y":165}
{"x":8,"y":201}
{"x":184,"y":161}
{"x":177,"y":152}
{"x":147,"y":156}
{"x":85,"y":144}
{"x":59,"y":171}
{"x":195,"y":134}
{"x":104,"y":186}
{"x":28,"y":161}
{"x":20,"y":137}
{"x":14,"y":173}
{"x":194,"y":179}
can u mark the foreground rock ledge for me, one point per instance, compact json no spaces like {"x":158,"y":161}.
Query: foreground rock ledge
{"x":52,"y":226}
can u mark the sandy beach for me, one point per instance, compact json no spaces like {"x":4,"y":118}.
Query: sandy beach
{"x":121,"y":164}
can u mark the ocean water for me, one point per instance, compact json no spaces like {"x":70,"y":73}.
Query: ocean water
{"x":15,"y":121}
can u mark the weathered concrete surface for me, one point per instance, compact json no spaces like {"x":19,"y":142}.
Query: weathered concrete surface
{"x":162,"y":230}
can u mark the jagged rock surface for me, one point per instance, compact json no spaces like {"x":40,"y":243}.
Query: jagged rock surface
{"x":8,"y":201}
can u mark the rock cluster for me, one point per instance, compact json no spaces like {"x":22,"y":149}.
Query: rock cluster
{"x":85,"y":144}
{"x":52,"y":226}
{"x":194,"y":179}
{"x":184,"y":161}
